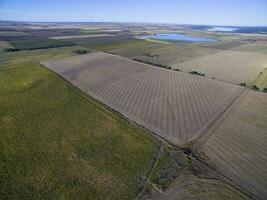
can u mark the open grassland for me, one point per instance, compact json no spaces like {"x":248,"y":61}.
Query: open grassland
{"x":230,"y":66}
{"x":236,"y":143}
{"x":261,"y":80}
{"x":177,"y":106}
{"x":38,"y":43}
{"x":57,"y":143}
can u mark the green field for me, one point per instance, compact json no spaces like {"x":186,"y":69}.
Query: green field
{"x":13,"y":58}
{"x":57,"y":143}
{"x":38,"y":43}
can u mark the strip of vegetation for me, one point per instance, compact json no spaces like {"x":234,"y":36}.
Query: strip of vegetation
{"x":82,"y":51}
{"x":196,"y":73}
{"x":154,"y":64}
{"x":43,"y":43}
{"x":169,"y":167}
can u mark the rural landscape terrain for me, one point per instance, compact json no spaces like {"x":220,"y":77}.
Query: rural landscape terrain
{"x":132,"y":111}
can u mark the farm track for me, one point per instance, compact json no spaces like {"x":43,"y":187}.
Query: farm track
{"x":174,"y":105}
{"x":235,"y":145}
{"x":150,"y":171}
{"x":208,"y":132}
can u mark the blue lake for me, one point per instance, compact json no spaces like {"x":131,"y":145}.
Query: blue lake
{"x":179,"y":37}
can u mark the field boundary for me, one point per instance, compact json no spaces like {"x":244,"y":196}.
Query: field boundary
{"x":205,"y":133}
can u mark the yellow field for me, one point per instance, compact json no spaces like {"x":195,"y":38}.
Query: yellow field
{"x":229,"y":66}
{"x":256,"y":47}
{"x":261,"y":80}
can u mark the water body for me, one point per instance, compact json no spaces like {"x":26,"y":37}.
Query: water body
{"x":179,"y":37}
{"x":223,"y":29}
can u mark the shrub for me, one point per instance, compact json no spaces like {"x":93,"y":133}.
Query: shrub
{"x":254,"y":87}
{"x":81,"y":51}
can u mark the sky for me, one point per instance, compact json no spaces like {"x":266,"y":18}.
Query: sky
{"x":204,"y":12}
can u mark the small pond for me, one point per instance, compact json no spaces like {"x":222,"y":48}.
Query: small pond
{"x":179,"y":37}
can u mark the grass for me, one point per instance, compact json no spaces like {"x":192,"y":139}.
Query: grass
{"x":38,"y":43}
{"x":8,"y":60}
{"x":169,"y":167}
{"x":57,"y":143}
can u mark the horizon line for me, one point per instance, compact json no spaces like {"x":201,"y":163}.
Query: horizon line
{"x":155,"y":23}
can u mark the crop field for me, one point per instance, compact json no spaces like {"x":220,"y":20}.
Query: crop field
{"x":87,"y":111}
{"x":164,"y":54}
{"x":40,"y":43}
{"x":261,"y":80}
{"x":58,"y":143}
{"x":230,"y":66}
{"x":106,"y":43}
{"x":81,"y":36}
{"x":177,"y":106}
{"x":258,"y":47}
{"x":145,"y":50}
{"x":236,"y":143}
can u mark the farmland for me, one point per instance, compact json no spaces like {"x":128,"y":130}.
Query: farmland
{"x":87,"y":111}
{"x":45,"y":118}
{"x":52,"y":138}
{"x":81,"y":36}
{"x":230,"y":66}
{"x":145,"y":50}
{"x":37,"y":44}
{"x":261,"y":80}
{"x":236,"y":144}
{"x":148,"y":95}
